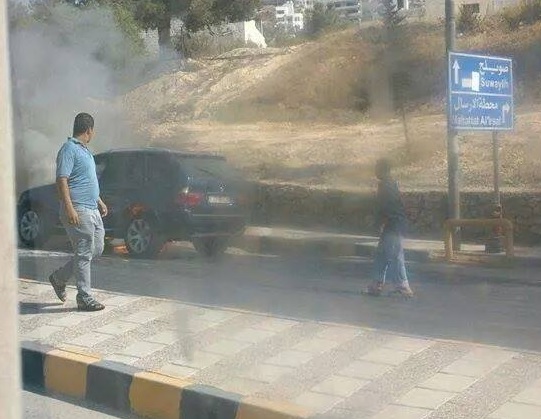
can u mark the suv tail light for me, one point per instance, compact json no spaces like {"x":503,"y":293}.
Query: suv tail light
{"x":189,"y":199}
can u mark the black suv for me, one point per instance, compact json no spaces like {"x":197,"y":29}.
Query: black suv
{"x":153,"y":196}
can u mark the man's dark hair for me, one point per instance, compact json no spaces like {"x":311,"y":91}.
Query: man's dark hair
{"x":383,"y":167}
{"x":83,"y":122}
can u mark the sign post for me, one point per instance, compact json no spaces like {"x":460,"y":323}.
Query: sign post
{"x":496,"y":158}
{"x":481,"y":99}
{"x":452,"y":139}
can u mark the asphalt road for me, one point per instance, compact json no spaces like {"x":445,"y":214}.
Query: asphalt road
{"x":462,"y":303}
{"x":40,"y":406}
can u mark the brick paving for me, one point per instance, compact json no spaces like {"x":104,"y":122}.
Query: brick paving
{"x":337,"y":371}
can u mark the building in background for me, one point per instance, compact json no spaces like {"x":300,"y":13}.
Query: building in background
{"x":435,"y":9}
{"x":303,"y":5}
{"x":289,"y":18}
{"x":402,"y":4}
{"x":374,"y":9}
{"x":246,"y":32}
{"x":290,"y":15}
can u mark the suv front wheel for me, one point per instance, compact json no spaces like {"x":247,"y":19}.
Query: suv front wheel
{"x":142,"y":238}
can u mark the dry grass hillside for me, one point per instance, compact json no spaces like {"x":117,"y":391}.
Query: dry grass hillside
{"x":319,"y":114}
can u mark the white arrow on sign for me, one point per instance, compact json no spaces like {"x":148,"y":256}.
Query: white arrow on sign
{"x":506,"y":108}
{"x":456,"y":67}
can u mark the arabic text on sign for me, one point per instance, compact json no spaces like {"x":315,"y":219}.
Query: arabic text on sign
{"x":475,"y":103}
{"x":499,"y":69}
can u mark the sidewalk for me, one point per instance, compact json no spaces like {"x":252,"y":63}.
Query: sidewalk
{"x":231,"y":364}
{"x":284,"y":240}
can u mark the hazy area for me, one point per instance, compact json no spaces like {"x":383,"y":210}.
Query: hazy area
{"x":317,"y":113}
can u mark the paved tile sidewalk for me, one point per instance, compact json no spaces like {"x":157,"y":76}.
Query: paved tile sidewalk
{"x":336,"y":371}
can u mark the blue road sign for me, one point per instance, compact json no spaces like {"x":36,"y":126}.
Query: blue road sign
{"x":480,"y":92}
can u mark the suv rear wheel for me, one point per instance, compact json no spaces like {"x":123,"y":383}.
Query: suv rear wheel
{"x":32,"y":227}
{"x":142,"y":238}
{"x":210,"y":247}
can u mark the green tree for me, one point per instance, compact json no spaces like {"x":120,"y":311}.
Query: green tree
{"x":320,"y":18}
{"x":527,"y":12}
{"x":398,"y":81}
{"x":392,"y":17}
{"x":400,"y":88}
{"x":157,"y":15}
{"x":123,"y":13}
{"x":468,"y":20}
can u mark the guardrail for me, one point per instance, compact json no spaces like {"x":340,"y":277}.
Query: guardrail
{"x":506,"y":225}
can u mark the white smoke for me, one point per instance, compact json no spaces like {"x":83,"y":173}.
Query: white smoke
{"x":69,"y":60}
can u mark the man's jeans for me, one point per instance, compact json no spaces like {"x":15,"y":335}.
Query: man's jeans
{"x":389,"y":260}
{"x":87,"y":241}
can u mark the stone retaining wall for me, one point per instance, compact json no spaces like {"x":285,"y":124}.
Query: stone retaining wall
{"x":353,"y":212}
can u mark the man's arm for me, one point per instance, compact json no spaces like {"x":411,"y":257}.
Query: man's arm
{"x":103,"y":208}
{"x":65,"y":161}
{"x":65,"y":198}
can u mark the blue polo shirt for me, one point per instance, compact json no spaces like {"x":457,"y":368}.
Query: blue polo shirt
{"x":76,"y":163}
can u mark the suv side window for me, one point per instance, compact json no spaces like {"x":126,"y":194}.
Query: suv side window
{"x":135,"y":170}
{"x":122,"y":170}
{"x":101,"y":162}
{"x":113,"y":171}
{"x":161,"y":171}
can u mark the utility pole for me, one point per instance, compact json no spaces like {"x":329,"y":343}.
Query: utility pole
{"x":10,"y":377}
{"x":452,"y":139}
{"x":496,"y":159}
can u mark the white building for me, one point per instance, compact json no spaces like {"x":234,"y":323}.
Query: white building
{"x":289,"y":18}
{"x":303,"y":5}
{"x":291,"y":14}
{"x":403,"y":4}
{"x":247,"y":32}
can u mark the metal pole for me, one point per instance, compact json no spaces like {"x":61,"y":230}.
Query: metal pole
{"x":496,"y":159}
{"x":452,"y":139}
{"x":494,"y":243}
{"x":10,"y":377}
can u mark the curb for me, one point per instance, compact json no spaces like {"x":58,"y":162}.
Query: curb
{"x":425,"y":256}
{"x":338,"y":247}
{"x":329,"y":247}
{"x":413,"y":255}
{"x":148,"y":394}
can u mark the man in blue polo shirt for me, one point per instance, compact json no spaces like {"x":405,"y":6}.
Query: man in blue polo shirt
{"x":81,"y":212}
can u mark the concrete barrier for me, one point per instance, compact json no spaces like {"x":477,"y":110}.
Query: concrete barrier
{"x":128,"y":389}
{"x":506,"y":225}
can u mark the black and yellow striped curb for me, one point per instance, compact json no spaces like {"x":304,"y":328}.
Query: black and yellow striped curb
{"x":131,"y":390}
